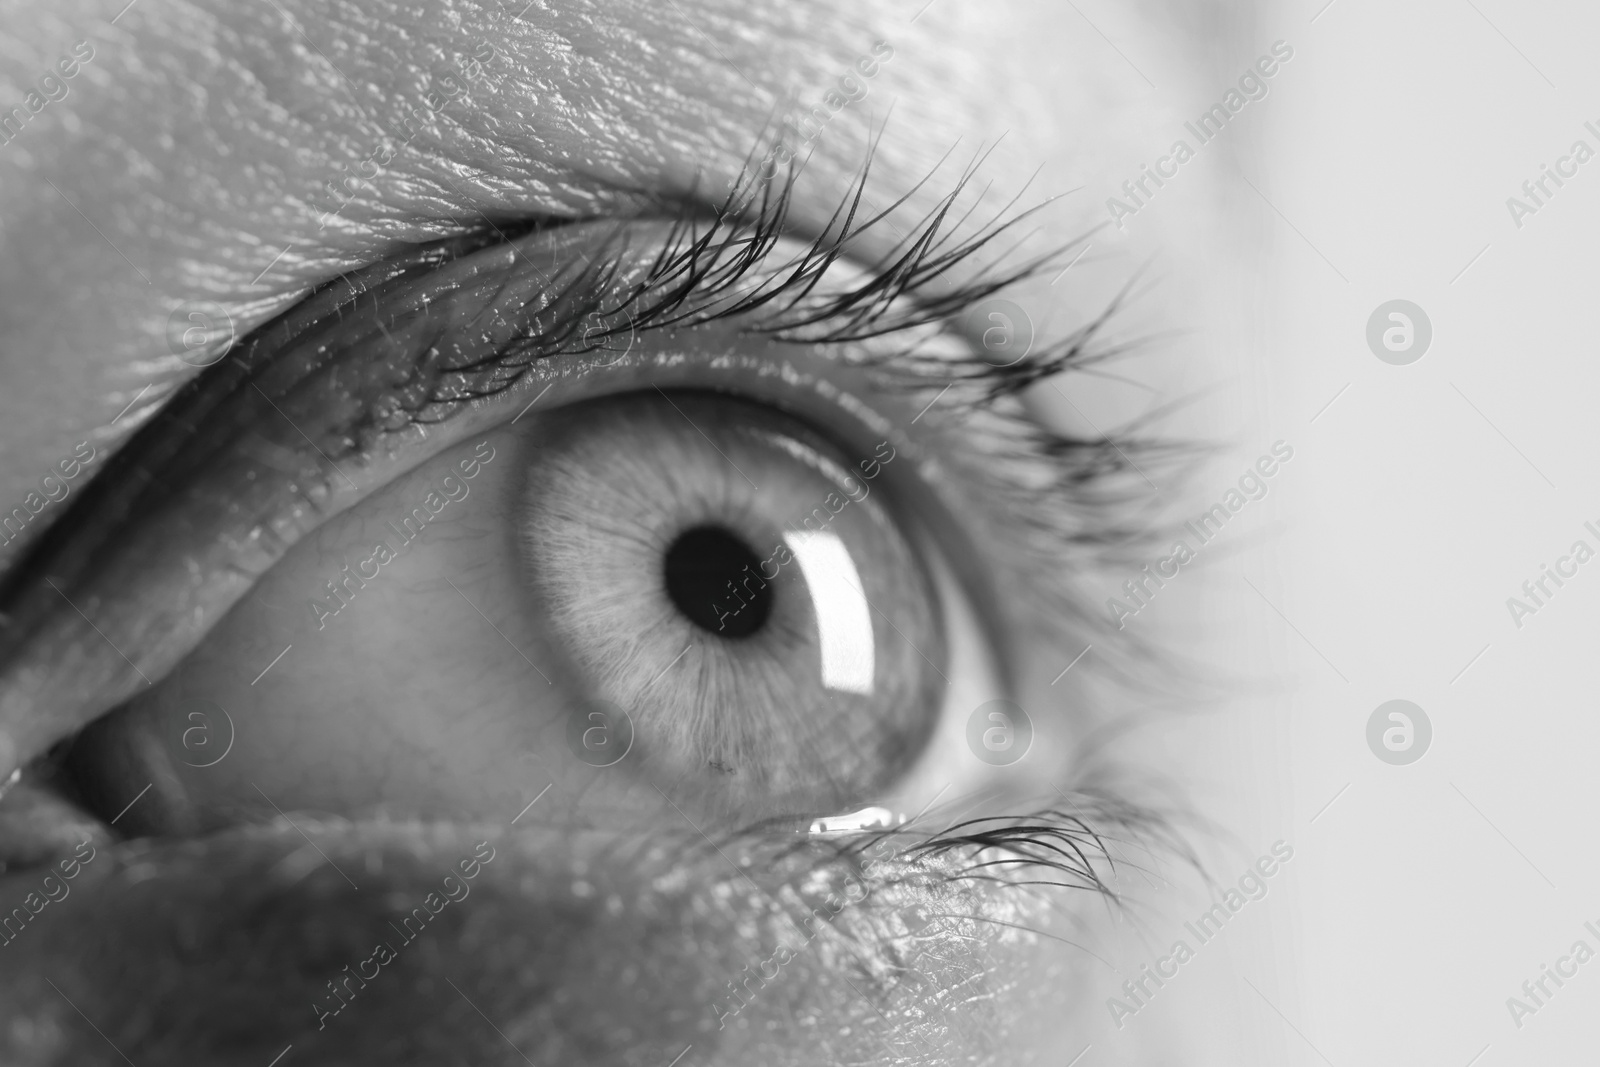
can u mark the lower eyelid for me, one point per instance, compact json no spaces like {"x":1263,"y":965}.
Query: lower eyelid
{"x":699,"y":936}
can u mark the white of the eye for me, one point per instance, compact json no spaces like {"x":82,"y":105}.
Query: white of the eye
{"x":844,"y":625}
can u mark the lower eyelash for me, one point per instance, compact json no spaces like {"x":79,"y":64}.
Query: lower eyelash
{"x":1048,"y":848}
{"x":1056,"y":848}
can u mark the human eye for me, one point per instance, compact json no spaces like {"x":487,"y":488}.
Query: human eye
{"x":662,"y":633}
{"x":666,"y":562}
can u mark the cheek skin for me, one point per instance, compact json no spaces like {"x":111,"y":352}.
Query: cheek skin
{"x":580,"y":952}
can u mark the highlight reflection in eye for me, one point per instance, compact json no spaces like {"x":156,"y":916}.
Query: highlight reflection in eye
{"x":844,"y":628}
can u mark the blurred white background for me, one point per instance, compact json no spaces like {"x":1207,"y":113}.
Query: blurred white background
{"x":1420,"y":498}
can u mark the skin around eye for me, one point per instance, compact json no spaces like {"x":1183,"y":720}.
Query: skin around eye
{"x":732,"y":604}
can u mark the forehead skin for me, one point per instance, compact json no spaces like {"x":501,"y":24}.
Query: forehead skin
{"x":190,"y":157}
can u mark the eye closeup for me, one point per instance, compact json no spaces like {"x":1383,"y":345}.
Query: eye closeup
{"x":796,"y":533}
{"x":583,"y":561}
{"x":600,"y":539}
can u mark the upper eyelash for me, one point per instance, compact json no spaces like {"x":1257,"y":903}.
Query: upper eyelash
{"x":716,"y":264}
{"x":873,"y":308}
{"x":696,"y":275}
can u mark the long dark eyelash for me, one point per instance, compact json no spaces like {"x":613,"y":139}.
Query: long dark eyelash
{"x":1038,"y":849}
{"x":1086,"y":848}
{"x":714,"y":265}
{"x":696,"y":286}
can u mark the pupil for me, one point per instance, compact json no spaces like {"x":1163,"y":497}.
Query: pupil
{"x":700,"y":564}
